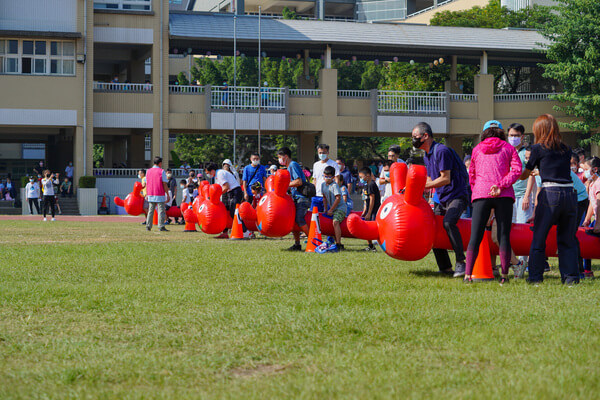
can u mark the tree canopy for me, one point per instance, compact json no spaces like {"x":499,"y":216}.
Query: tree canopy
{"x":574,"y":47}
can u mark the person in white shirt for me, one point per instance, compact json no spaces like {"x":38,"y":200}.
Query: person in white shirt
{"x":32,"y":193}
{"x":232,"y":191}
{"x":385,"y":180}
{"x":228,"y":166}
{"x":318,"y":174}
{"x":393,"y":156}
{"x":48,"y":187}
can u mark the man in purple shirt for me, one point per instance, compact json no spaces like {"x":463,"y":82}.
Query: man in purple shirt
{"x":447,"y":174}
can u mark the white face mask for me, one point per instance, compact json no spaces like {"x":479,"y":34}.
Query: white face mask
{"x":255,"y":162}
{"x":182,"y":186}
{"x":139,"y":177}
{"x":169,"y":175}
{"x":281,"y":161}
{"x":323,"y":156}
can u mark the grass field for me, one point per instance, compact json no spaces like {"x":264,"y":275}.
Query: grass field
{"x":100,"y":310}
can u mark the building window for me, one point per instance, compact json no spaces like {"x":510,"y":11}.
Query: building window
{"x":133,"y":5}
{"x":37,"y":57}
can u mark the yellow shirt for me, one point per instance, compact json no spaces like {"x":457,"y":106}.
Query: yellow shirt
{"x":144,"y":186}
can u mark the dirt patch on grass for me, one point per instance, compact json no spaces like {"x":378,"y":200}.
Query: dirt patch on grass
{"x":259,"y":370}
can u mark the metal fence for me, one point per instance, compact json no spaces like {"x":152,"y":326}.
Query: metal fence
{"x":134,"y":5}
{"x":364,"y":94}
{"x":467,"y":98}
{"x":123,"y":87}
{"x":411,"y":102}
{"x":523,"y":97}
{"x":133,"y":172}
{"x":186,"y":89}
{"x":247,"y":98}
{"x":305,"y":92}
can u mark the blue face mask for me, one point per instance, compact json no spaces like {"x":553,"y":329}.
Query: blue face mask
{"x":322,"y":157}
{"x":362,"y":180}
{"x":386,"y":174}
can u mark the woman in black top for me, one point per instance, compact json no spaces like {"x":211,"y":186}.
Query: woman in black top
{"x":557,"y":201}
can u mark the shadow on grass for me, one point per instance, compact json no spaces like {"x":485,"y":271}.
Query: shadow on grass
{"x":430,"y":274}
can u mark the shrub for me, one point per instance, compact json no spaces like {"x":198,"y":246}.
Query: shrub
{"x":87,"y":182}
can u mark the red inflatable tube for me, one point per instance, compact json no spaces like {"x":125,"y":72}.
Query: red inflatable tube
{"x":407,"y":229}
{"x":134,"y":202}
{"x":211,"y":213}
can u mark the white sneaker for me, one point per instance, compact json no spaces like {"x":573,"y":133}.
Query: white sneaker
{"x":45,"y":219}
{"x":53,"y":219}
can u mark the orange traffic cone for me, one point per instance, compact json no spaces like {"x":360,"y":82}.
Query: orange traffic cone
{"x":155,"y":217}
{"x":314,"y":234}
{"x":237,"y":231}
{"x":103,"y":205}
{"x":482,"y":270}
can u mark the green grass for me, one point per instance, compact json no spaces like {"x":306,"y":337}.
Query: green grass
{"x":98,"y":310}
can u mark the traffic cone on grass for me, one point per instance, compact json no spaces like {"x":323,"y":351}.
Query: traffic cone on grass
{"x":482,"y":270}
{"x":237,"y":231}
{"x":314,"y":233}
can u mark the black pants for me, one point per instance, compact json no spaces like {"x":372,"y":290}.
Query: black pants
{"x":556,"y":206}
{"x":582,"y":207}
{"x":482,"y":209}
{"x":231,"y":199}
{"x":451,"y":210}
{"x":36,"y":203}
{"x":49,"y":201}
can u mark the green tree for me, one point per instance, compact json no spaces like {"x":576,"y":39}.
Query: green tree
{"x":98,"y":154}
{"x":575,"y":49}
{"x":182,"y":78}
{"x":289,"y":14}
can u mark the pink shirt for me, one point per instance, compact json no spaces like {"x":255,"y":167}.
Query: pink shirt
{"x":155,"y":190}
{"x":593,"y":191}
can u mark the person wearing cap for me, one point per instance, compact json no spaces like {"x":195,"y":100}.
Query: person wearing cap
{"x":264,"y":95}
{"x":232,"y":192}
{"x":446,"y":173}
{"x":495,"y":167}
{"x":319,"y":176}
{"x":228,"y":166}
{"x":272,"y":169}
{"x":253,"y":173}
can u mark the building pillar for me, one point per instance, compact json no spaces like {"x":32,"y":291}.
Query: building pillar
{"x":328,"y":57}
{"x":484,"y":88}
{"x":595,"y":150}
{"x":329,"y":110}
{"x":483,"y":63}
{"x":306,"y":149}
{"x":453,"y":85}
{"x":160,"y":82}
{"x":137,"y":70}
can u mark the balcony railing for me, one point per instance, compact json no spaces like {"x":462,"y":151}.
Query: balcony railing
{"x":129,"y":5}
{"x":247,"y":98}
{"x":305,"y":92}
{"x":523,"y":97}
{"x":123,"y":87}
{"x":466,"y":98}
{"x":133,"y":172}
{"x":411,"y":102}
{"x":363,"y":94}
{"x":186,"y":89}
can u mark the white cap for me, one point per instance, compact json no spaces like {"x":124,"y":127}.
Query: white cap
{"x":273,"y":167}
{"x":227,"y":161}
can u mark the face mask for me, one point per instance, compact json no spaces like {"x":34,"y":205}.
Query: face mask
{"x":362,"y":180}
{"x":323,"y":157}
{"x":580,"y":170}
{"x":386,"y":174}
{"x":139,"y":177}
{"x":169,"y":176}
{"x":39,"y":176}
{"x":70,"y":164}
{"x":514,"y":141}
{"x":255,"y":162}
{"x":574,"y":169}
{"x":280,"y":159}
{"x":417,"y":142}
{"x":182,"y":186}
{"x":588,"y":174}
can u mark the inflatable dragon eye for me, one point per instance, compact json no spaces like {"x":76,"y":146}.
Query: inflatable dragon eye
{"x":201,"y":208}
{"x":262,"y":201}
{"x":385,"y":210}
